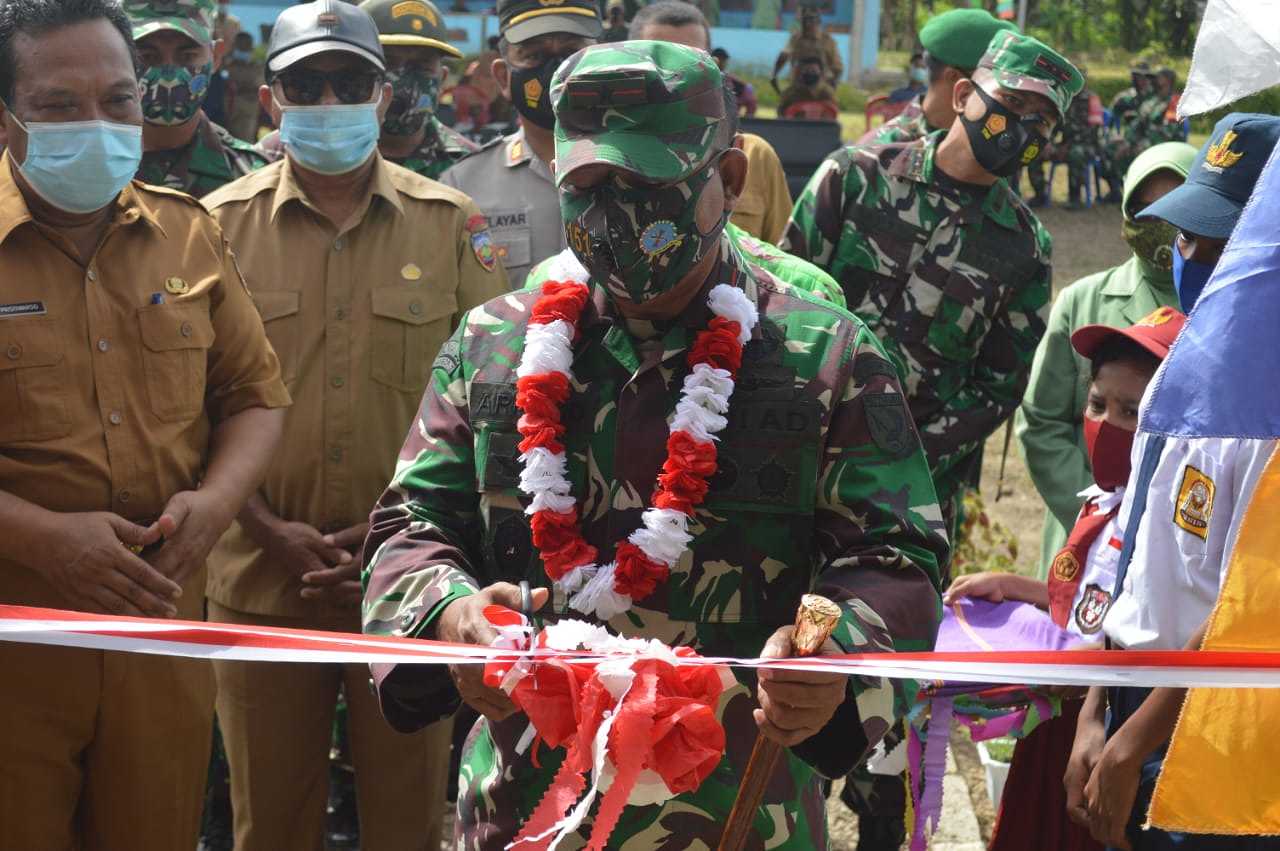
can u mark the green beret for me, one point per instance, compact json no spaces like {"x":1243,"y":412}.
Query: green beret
{"x":959,"y":38}
{"x":1016,"y":61}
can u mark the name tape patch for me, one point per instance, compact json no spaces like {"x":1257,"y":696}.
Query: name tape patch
{"x":26,"y":308}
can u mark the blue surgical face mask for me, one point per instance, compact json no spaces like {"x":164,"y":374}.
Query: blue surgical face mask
{"x":919,"y":75}
{"x":242,"y":55}
{"x":80,"y":166}
{"x":331,"y":139}
{"x":1189,"y":279}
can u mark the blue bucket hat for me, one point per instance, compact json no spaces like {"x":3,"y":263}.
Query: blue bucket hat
{"x":1221,"y":178}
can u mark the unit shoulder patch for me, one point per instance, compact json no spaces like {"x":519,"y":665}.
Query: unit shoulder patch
{"x":1194,"y":508}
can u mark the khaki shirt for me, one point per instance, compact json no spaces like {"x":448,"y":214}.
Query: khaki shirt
{"x":357,"y":318}
{"x":112,"y":374}
{"x":765,"y":205}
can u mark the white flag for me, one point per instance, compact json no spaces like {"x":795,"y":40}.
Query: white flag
{"x":1237,"y":54}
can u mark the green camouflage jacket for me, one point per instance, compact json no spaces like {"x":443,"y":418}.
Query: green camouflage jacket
{"x":441,"y":147}
{"x":954,"y":279}
{"x":822,"y":485}
{"x":906,"y":126}
{"x":213,"y":159}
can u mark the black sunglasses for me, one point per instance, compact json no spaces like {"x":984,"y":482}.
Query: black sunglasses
{"x":305,"y":87}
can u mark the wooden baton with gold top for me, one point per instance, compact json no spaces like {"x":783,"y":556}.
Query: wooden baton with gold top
{"x":815,"y":620}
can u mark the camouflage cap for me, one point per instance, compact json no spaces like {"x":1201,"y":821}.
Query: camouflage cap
{"x":410,"y":23}
{"x":654,"y":108}
{"x":1020,"y":62}
{"x":521,"y":20}
{"x":960,"y":37}
{"x":192,"y":18}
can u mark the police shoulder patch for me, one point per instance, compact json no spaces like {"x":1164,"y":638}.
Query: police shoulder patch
{"x":1194,"y":507}
{"x":889,"y":423}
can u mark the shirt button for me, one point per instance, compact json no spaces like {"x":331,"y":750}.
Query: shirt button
{"x":91,"y":275}
{"x":14,"y":352}
{"x":340,"y":313}
{"x":335,"y":455}
{"x":337,"y":381}
{"x":115,"y":418}
{"x":103,"y":345}
{"x":338,"y":244}
{"x":124,"y":496}
{"x":185,"y":329}
{"x":415,"y":308}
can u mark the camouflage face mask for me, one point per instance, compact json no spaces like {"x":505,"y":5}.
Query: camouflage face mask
{"x":1152,"y":241}
{"x":639,"y":241}
{"x":414,"y":94}
{"x":172,"y":94}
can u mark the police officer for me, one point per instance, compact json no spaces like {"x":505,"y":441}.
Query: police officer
{"x":381,"y":263}
{"x":511,"y":178}
{"x":182,"y":148}
{"x":415,"y":42}
{"x":953,"y":42}
{"x":1181,"y":514}
{"x":135,"y":392}
{"x":450,"y":534}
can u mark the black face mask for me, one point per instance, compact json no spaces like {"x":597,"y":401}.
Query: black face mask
{"x":531,"y":92}
{"x":810,"y":78}
{"x":1001,"y":139}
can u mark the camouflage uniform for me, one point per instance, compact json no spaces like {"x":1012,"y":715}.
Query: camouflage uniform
{"x":441,"y":147}
{"x":1077,"y":145}
{"x":821,"y":485}
{"x":906,"y":126}
{"x":955,"y":282}
{"x":213,"y":159}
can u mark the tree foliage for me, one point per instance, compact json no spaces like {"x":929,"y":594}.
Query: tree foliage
{"x":1162,"y":27}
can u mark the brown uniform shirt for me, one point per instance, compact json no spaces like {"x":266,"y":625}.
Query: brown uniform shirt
{"x":112,"y":374}
{"x":765,"y":205}
{"x":357,"y":318}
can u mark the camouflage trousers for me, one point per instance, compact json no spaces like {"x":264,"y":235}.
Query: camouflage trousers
{"x":1077,"y":159}
{"x":879,"y":800}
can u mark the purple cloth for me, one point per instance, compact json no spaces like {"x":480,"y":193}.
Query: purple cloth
{"x":1002,"y":626}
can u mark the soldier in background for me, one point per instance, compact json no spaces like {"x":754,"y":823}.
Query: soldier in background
{"x":415,"y":42}
{"x":809,"y":45}
{"x":1077,"y":144}
{"x":616,"y":23}
{"x":441,"y":548}
{"x":245,"y":75}
{"x":1126,"y":137}
{"x":182,"y":148}
{"x":510,"y":179}
{"x":953,"y":43}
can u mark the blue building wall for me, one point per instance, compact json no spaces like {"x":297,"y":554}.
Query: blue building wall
{"x":753,"y":49}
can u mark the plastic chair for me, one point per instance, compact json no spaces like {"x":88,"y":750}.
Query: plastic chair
{"x":1092,"y":182}
{"x":881,"y":106}
{"x":813,"y":110}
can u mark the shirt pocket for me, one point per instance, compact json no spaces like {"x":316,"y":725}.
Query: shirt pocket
{"x":279,"y":312}
{"x":175,"y":354}
{"x":875,"y":275}
{"x":409,"y":326}
{"x":33,"y":380}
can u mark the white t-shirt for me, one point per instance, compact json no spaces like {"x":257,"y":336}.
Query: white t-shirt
{"x":1195,"y":504}
{"x":1093,"y":596}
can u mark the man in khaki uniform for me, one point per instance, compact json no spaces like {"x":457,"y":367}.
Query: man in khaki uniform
{"x":135,"y":383}
{"x":361,"y":270}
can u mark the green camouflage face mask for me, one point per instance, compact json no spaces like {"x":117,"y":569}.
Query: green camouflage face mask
{"x":1152,"y":241}
{"x":172,"y":94}
{"x":638,"y":241}
{"x":413,"y":100}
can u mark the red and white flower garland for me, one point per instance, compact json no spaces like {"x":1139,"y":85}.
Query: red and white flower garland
{"x":645,"y":559}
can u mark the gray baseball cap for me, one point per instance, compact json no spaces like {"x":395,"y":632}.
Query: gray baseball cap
{"x":310,"y":28}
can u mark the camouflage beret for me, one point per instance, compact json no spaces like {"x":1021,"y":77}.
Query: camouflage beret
{"x":960,"y":37}
{"x":192,"y":18}
{"x":1016,"y":61}
{"x":654,"y":108}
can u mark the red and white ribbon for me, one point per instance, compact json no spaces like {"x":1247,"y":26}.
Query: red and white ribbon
{"x":195,"y":639}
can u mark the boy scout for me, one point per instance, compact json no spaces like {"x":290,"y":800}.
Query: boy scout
{"x":839,"y":500}
{"x":954,"y":43}
{"x":941,"y":258}
{"x":379,"y":265}
{"x":414,"y":41}
{"x":510,"y":179}
{"x":135,"y":383}
{"x":182,"y":148}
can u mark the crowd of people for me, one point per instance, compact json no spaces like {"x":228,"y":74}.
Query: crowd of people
{"x":272,"y":371}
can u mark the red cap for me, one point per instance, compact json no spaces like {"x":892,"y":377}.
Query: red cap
{"x":1155,"y":332}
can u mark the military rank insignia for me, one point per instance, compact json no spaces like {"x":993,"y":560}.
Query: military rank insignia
{"x":1195,"y":503}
